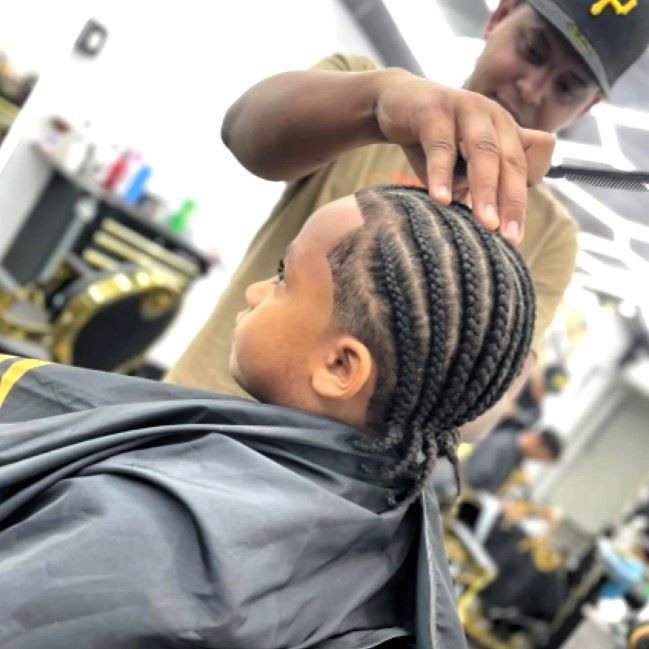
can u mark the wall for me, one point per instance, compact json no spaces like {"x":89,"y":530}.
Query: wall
{"x":37,"y":36}
{"x":604,"y":477}
{"x":162,"y":85}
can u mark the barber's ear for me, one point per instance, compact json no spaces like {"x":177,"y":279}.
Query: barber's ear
{"x":595,"y":100}
{"x":504,"y":8}
{"x":345,"y":370}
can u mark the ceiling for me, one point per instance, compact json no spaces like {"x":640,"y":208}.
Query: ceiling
{"x":613,"y":258}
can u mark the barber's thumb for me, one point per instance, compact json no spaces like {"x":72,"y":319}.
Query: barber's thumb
{"x":539,"y":147}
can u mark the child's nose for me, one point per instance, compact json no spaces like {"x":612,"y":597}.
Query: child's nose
{"x":255,"y":293}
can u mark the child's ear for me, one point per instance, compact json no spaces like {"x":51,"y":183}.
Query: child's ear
{"x":595,"y":100}
{"x":346,"y":369}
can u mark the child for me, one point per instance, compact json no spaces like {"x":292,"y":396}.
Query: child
{"x":139,"y":514}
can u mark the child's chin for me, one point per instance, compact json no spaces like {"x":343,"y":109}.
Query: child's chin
{"x":233,"y":368}
{"x":235,"y":373}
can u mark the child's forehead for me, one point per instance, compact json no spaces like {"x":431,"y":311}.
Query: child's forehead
{"x":328,"y":225}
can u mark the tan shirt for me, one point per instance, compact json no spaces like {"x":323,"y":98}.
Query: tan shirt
{"x":549,"y":246}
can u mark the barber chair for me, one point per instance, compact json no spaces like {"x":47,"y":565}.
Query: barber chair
{"x":471,"y":567}
{"x":466,"y":528}
{"x":100,"y":318}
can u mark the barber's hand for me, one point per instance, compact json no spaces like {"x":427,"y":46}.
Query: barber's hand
{"x":434,"y":124}
{"x":538,"y":147}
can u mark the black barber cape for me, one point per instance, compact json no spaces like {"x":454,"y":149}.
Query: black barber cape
{"x":135,"y":514}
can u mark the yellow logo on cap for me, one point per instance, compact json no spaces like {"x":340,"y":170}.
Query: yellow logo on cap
{"x":621,"y":8}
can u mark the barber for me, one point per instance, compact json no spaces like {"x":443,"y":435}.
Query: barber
{"x":348,"y":124}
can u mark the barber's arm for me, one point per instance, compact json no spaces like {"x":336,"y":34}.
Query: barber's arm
{"x":289,"y":125}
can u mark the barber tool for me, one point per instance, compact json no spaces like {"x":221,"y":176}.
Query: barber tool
{"x":630,"y":181}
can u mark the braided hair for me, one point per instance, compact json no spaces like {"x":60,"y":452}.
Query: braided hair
{"x":445,"y":307}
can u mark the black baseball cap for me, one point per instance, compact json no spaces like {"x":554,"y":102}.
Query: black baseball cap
{"x":608,"y":35}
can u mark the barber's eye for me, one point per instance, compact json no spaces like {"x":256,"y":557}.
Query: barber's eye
{"x":566,"y":89}
{"x":280,"y":271}
{"x":531,"y":51}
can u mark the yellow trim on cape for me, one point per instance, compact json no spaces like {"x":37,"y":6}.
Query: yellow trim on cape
{"x":15,"y":372}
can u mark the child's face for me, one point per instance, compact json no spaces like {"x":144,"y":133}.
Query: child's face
{"x":285,"y":335}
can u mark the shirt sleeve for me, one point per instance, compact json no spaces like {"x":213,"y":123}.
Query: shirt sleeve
{"x":550,"y":250}
{"x":552,"y":275}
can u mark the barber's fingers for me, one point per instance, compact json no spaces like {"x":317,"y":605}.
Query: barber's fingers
{"x":480,"y":147}
{"x":438,"y":143}
{"x":434,"y":124}
{"x":512,"y":188}
{"x":417,"y":160}
{"x":461,"y":194}
{"x":526,"y":157}
{"x":539,"y":147}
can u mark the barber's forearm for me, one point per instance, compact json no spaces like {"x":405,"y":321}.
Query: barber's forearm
{"x":293,"y":123}
{"x":488,"y":420}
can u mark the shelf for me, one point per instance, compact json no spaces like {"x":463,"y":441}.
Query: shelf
{"x":134,"y":216}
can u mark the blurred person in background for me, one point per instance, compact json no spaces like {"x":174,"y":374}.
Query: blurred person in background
{"x":499,"y":455}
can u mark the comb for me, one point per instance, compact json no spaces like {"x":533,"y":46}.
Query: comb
{"x":630,"y":181}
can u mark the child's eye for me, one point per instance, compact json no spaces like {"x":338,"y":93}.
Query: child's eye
{"x":280,"y":271}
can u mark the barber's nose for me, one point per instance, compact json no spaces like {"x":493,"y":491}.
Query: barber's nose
{"x":256,"y":292}
{"x":534,"y":85}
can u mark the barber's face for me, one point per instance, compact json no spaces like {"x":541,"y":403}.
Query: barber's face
{"x":529,"y":69}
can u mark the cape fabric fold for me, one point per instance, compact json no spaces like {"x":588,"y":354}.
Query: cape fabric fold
{"x":139,"y":514}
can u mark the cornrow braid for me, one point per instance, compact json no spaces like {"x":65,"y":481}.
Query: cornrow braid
{"x":392,"y":283}
{"x":498,"y":334}
{"x":492,"y":368}
{"x":445,"y":307}
{"x":426,"y":438}
{"x":519,"y":339}
{"x":528,"y":298}
{"x":472,"y":329}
